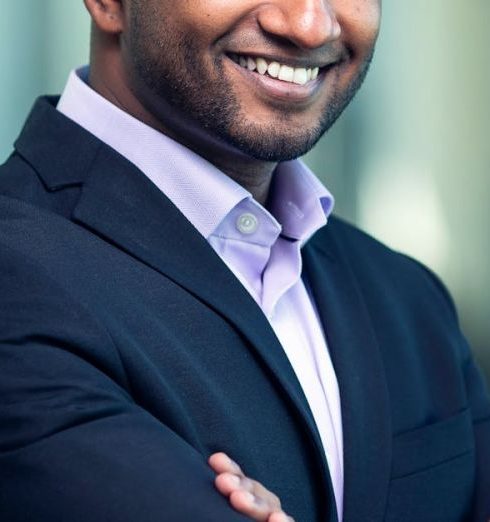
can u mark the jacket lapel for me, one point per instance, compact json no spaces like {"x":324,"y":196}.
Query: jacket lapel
{"x":122,"y":205}
{"x":360,"y":373}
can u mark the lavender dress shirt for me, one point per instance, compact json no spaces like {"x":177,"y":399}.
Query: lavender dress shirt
{"x":261,"y":247}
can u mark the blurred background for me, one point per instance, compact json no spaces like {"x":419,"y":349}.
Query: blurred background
{"x":409,"y":161}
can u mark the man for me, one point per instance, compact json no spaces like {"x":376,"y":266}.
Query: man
{"x":171,"y":291}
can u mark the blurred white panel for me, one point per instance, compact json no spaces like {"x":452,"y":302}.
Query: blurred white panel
{"x":403,"y":205}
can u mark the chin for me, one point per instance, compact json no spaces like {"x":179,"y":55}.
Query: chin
{"x":268,"y":144}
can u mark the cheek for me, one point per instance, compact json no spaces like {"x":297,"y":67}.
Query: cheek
{"x":211,"y":17}
{"x":360,"y":21}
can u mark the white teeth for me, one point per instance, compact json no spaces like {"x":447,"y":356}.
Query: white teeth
{"x":274,"y":69}
{"x":251,"y":65}
{"x":300,"y":76}
{"x":261,"y":65}
{"x":286,"y":73}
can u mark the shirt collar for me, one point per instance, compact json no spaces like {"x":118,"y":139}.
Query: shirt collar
{"x":299,"y":203}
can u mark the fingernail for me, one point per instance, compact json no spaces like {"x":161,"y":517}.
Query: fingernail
{"x":233,"y":480}
{"x":234,"y":464}
{"x":249,"y":497}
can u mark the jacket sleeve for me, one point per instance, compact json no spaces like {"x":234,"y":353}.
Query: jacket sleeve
{"x":74,"y":446}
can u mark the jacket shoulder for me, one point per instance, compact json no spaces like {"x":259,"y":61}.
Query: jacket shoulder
{"x":374,"y":263}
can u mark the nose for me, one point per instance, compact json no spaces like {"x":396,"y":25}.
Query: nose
{"x":308,"y":24}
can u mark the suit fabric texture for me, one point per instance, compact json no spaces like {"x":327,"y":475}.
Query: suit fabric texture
{"x":129,"y":353}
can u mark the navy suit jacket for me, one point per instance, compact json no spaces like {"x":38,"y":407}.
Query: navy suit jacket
{"x":129,"y":353}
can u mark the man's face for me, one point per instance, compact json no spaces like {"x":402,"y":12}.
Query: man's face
{"x":206,"y":57}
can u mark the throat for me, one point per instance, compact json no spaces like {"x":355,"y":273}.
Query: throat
{"x":254,"y":176}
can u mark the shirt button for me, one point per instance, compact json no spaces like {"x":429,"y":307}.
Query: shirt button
{"x":247,"y":223}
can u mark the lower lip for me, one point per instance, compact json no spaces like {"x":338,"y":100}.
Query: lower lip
{"x":280,"y":90}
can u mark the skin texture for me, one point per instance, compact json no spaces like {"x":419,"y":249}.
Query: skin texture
{"x":169,"y":64}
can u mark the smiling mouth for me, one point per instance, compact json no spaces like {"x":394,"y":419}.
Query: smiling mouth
{"x":278,"y":71}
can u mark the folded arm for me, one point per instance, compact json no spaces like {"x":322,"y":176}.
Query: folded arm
{"x":73,"y":444}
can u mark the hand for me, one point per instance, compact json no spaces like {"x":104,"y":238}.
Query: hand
{"x":247,"y":496}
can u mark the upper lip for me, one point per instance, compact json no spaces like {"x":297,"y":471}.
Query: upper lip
{"x":296,"y":62}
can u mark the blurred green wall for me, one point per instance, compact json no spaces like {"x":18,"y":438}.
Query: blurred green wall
{"x":409,"y":161}
{"x":40,"y":41}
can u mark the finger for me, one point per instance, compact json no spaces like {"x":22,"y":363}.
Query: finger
{"x":263,"y":493}
{"x":280,"y":516}
{"x":249,"y":505}
{"x":226,"y":483}
{"x":221,"y":463}
{"x":229,"y":482}
{"x":260,"y":505}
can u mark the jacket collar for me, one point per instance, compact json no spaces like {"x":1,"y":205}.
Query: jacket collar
{"x":47,"y":144}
